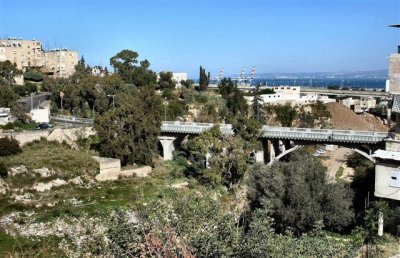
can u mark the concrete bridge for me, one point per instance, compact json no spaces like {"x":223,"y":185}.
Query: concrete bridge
{"x":277,"y":141}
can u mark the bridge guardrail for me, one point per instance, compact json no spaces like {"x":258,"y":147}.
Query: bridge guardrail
{"x":323,"y":134}
{"x":71,"y":119}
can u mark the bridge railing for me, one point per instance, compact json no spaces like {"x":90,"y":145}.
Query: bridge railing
{"x":71,"y":119}
{"x":323,"y":134}
{"x":192,"y":127}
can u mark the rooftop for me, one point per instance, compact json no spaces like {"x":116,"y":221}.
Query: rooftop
{"x":384,"y":154}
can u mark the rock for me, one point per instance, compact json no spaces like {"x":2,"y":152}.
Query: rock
{"x":51,"y":204}
{"x":18,"y":170}
{"x":180,"y":185}
{"x":138,"y":172}
{"x":25,"y":199}
{"x":3,"y":187}
{"x":75,"y":181}
{"x":41,"y":187}
{"x":44,"y":172}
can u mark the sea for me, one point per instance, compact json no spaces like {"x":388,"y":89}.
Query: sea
{"x":351,"y":83}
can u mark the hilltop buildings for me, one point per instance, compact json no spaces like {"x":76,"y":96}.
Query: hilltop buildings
{"x":291,"y":95}
{"x":29,"y":54}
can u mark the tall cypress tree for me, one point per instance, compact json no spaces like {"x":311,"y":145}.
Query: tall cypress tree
{"x":203,"y":79}
{"x":257,"y":104}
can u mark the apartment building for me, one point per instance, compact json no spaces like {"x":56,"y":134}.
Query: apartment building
{"x":23,"y":53}
{"x":99,"y":71}
{"x":57,"y":63}
{"x":60,"y":63}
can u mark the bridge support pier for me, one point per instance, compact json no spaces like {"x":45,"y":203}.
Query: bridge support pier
{"x":167,"y":143}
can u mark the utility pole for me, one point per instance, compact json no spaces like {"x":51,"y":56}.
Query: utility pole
{"x":31,"y":100}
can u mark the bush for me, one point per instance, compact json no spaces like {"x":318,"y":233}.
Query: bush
{"x":167,"y":93}
{"x":9,"y":146}
{"x":33,"y":75}
{"x":30,"y":87}
{"x":8,"y":126}
{"x":3,"y":170}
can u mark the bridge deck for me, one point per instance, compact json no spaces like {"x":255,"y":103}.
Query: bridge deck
{"x":270,"y":132}
{"x":323,"y":135}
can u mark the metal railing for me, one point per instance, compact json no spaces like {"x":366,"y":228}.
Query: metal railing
{"x":272,"y":132}
{"x":329,"y":135}
{"x":191,"y":127}
{"x":71,"y":119}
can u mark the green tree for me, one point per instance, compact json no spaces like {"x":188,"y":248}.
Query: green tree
{"x":33,"y":75}
{"x":257,"y":105}
{"x":81,"y":70}
{"x":8,"y":71}
{"x":204,"y":79}
{"x":235,"y":101}
{"x":285,"y":114}
{"x":9,"y":146}
{"x":165,"y":81}
{"x":129,"y":132}
{"x":7,"y":96}
{"x":125,"y":64}
{"x":299,"y":195}
{"x":187,"y":83}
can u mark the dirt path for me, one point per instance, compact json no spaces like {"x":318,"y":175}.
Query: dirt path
{"x":337,"y":159}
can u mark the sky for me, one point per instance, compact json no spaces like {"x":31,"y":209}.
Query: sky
{"x":285,"y":36}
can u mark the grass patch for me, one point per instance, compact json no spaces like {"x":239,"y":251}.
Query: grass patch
{"x":53,"y":155}
{"x":19,"y":126}
{"x":339,"y":174}
{"x":28,"y":247}
{"x":101,"y":199}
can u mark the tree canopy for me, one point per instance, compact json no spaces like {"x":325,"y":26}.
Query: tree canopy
{"x":299,"y":195}
{"x":125,"y":64}
{"x":235,"y":101}
{"x":165,"y":82}
{"x":204,"y":79}
{"x":129,"y":131}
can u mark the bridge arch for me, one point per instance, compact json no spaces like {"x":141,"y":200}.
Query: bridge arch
{"x":277,"y":158}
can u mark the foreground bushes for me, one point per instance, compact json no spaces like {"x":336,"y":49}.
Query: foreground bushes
{"x":3,"y":170}
{"x":9,"y":146}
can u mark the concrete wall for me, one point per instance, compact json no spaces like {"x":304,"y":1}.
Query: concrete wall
{"x":392,"y":145}
{"x":26,"y":136}
{"x":69,"y":135}
{"x":40,"y":115}
{"x":387,"y":181}
{"x":110,"y":169}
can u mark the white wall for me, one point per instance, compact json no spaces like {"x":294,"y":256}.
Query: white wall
{"x":40,"y":115}
{"x":387,"y":181}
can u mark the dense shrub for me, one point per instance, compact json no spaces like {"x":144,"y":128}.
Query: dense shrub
{"x":3,"y":170}
{"x":33,"y":75}
{"x":8,"y":126}
{"x":9,"y":146}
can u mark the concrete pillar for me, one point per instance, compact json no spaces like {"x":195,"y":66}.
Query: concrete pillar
{"x":274,"y":149}
{"x":167,"y":143}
